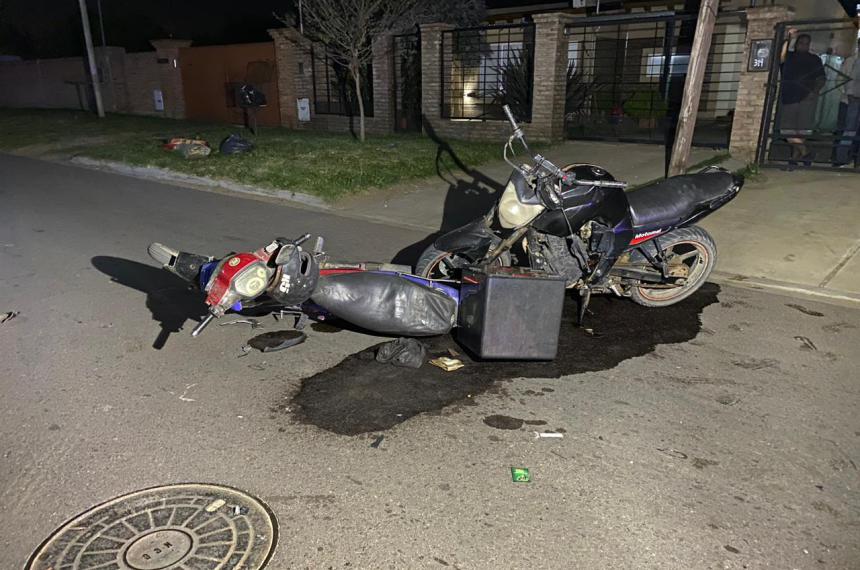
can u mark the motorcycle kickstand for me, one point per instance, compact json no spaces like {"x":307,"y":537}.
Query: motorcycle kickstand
{"x":584,"y":300}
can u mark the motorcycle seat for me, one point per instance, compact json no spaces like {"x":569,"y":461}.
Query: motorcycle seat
{"x":674,"y":200}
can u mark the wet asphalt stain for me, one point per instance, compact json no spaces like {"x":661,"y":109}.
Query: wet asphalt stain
{"x":360,"y":395}
{"x":507,"y":422}
{"x":804,"y":310}
{"x":503,"y":422}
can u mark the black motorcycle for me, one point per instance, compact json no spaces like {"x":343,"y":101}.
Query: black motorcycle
{"x":579,"y":222}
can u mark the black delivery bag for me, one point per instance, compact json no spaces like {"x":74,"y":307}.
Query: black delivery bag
{"x":510,"y":313}
{"x":386,"y":303}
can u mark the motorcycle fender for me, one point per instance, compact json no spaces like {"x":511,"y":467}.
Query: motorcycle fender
{"x":474,"y":237}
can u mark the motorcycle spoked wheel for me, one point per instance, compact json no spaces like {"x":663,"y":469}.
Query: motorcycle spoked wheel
{"x":437,"y":264}
{"x":691,"y":247}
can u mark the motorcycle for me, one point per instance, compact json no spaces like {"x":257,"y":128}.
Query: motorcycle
{"x":576,"y":222}
{"x":284,"y":279}
{"x":579,"y":222}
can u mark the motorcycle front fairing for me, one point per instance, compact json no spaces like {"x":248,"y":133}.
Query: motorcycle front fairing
{"x":474,"y":239}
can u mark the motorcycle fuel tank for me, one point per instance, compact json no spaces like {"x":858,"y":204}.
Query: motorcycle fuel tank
{"x":584,"y":202}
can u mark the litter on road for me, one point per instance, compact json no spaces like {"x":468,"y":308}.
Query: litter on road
{"x":377,"y":442}
{"x":521,"y":475}
{"x":548,"y":435}
{"x":447,"y":364}
{"x":254,"y":323}
{"x":407,"y":352}
{"x":8,"y":316}
{"x":277,"y":340}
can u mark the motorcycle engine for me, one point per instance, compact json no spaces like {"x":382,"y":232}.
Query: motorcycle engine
{"x":558,"y":254}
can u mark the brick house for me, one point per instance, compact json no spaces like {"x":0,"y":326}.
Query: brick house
{"x":460,"y":89}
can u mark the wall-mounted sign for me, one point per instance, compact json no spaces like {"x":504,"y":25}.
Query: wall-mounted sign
{"x":304,"y":108}
{"x":158,"y":99}
{"x":760,"y":54}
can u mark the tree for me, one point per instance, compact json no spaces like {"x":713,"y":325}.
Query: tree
{"x":347,"y":28}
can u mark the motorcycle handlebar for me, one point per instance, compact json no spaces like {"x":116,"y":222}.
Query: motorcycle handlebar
{"x":511,"y":119}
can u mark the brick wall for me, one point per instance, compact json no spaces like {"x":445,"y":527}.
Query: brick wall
{"x":167,"y":54}
{"x":142,"y":77}
{"x":127,"y":83}
{"x":295,"y":81}
{"x":752,"y":86}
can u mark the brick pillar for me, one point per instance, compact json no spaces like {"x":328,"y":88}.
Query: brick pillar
{"x":383,"y":84}
{"x":431,"y":73}
{"x":291,"y":71}
{"x":752,"y":85}
{"x":550,"y":77}
{"x":170,"y":76}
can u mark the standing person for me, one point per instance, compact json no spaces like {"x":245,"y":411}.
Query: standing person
{"x":802,"y":79}
{"x":849,"y":112}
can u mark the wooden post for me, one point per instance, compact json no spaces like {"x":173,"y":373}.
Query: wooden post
{"x":693,"y":86}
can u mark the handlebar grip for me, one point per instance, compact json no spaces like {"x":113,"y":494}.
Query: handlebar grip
{"x":510,"y":115}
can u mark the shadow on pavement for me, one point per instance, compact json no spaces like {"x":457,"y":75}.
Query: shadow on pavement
{"x":470,"y":195}
{"x":168,"y":297}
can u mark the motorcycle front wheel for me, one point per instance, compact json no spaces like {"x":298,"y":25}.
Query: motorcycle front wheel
{"x":437,"y":264}
{"x":690,"y":250}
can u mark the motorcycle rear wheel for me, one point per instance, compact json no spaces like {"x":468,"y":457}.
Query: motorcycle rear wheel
{"x":691,"y":246}
{"x":437,"y":264}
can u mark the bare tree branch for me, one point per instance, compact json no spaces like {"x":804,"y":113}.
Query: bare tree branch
{"x":347,"y":28}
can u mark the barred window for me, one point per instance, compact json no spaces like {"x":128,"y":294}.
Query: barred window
{"x":334,"y":88}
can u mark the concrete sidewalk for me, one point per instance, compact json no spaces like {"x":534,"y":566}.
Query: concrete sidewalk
{"x":797,"y":232}
{"x":793,"y":231}
{"x":453,"y":198}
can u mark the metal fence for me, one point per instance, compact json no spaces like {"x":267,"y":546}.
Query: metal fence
{"x":486,"y":67}
{"x":334,"y":87}
{"x":626,"y":77}
{"x":813,"y":121}
{"x":406,"y":50}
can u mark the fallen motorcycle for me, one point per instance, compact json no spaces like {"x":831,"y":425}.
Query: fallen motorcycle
{"x":285,"y":279}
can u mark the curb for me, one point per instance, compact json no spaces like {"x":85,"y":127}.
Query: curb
{"x":164,"y":175}
{"x":832,"y":296}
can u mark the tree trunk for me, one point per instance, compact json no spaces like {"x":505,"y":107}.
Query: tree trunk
{"x":356,"y":76}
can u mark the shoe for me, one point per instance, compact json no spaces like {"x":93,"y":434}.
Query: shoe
{"x":808,"y":158}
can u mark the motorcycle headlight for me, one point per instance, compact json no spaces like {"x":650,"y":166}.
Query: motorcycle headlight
{"x":251,"y":281}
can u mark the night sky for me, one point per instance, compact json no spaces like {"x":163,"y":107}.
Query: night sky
{"x":52,"y":28}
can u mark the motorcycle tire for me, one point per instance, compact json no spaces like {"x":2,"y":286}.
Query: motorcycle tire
{"x":691,"y":243}
{"x":429,"y":262}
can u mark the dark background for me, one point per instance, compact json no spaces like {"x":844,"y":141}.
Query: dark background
{"x":52,"y":28}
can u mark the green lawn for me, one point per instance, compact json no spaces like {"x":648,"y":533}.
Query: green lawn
{"x":326,"y":165}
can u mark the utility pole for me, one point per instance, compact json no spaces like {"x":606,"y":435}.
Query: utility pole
{"x":693,"y":86}
{"x":91,"y":57}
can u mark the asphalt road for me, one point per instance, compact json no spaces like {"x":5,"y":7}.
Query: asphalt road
{"x":731,"y":444}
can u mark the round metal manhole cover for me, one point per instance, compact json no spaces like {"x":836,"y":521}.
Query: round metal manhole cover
{"x":176,"y":527}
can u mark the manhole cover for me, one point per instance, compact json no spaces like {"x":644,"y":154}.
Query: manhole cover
{"x":177,"y":527}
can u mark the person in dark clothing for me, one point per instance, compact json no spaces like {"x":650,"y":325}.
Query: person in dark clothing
{"x":802,"y":79}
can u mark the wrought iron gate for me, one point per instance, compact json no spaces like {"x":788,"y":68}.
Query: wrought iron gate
{"x":485,"y":68}
{"x":820,"y":107}
{"x":406,"y":51}
{"x":626,"y":77}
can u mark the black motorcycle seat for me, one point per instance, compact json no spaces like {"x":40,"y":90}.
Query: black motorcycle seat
{"x":676,"y":199}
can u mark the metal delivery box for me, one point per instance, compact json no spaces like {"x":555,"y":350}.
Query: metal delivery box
{"x":510,"y":313}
